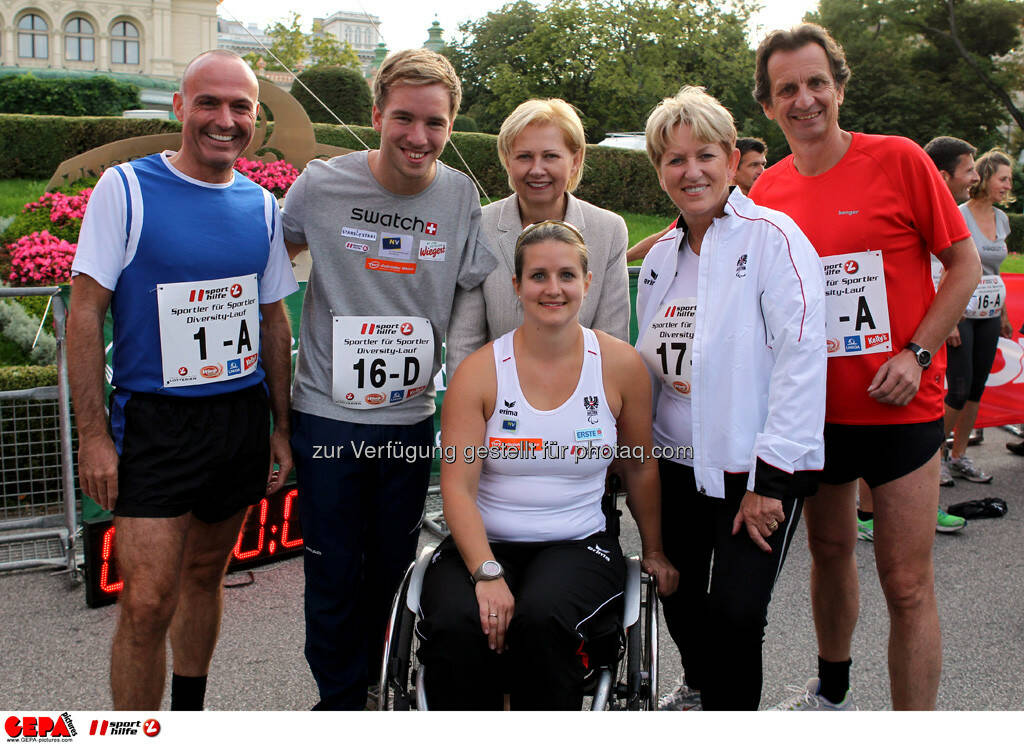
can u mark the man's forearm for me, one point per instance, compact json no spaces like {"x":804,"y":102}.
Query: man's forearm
{"x":277,"y":346}
{"x":86,"y":363}
{"x":963,"y":272}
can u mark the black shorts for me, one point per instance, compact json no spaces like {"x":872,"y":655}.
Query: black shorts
{"x":878,"y":454}
{"x":207,"y":455}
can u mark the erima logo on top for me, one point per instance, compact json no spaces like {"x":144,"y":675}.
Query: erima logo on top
{"x":374,"y":217}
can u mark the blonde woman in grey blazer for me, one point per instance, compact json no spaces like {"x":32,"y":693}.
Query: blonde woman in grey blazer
{"x":541,"y":145}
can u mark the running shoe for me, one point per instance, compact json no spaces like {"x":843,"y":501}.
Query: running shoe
{"x":945,"y":477}
{"x":948,"y":523}
{"x":682,"y":697}
{"x":807,"y":698}
{"x":963,"y":467}
{"x":1016,"y":448}
{"x":866,"y":529}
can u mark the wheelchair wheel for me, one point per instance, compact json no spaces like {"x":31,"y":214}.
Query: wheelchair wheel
{"x":642,"y":654}
{"x":397,"y":690}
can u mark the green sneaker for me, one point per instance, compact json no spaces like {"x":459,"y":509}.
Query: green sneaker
{"x":866,"y":529}
{"x":948,"y":523}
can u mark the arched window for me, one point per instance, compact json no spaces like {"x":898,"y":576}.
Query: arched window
{"x":79,"y":42}
{"x":33,"y":37}
{"x":124,"y":44}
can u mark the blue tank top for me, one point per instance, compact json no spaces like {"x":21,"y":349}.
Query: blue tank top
{"x":181,"y":230}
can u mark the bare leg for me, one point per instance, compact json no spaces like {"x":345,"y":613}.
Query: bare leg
{"x":904,"y":532}
{"x":866,"y":500}
{"x":196,"y":623}
{"x":149,"y":558}
{"x":831,"y":520}
{"x":964,"y":424}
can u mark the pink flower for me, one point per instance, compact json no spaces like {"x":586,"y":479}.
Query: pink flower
{"x":41,"y":258}
{"x":276,"y":177}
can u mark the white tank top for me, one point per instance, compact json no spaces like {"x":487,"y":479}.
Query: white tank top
{"x":544,"y":475}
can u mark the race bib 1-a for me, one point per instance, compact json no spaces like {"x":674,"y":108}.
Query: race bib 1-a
{"x":856,"y":308}
{"x":209,"y":330}
{"x":988,"y":299}
{"x":381,"y":360}
{"x":667,"y":345}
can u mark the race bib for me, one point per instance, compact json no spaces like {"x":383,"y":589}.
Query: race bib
{"x":667,"y":345}
{"x":988,"y":299}
{"x":209,"y":331}
{"x":856,"y":308}
{"x":381,"y":360}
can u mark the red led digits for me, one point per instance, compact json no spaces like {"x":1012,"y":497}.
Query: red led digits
{"x":241,"y":555}
{"x":286,"y":521}
{"x":105,"y":585}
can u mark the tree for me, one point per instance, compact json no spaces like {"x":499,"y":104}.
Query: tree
{"x":293,"y":48}
{"x":612,"y":59}
{"x":910,"y":73}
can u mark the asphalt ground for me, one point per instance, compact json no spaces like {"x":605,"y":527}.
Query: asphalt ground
{"x":54,"y":650}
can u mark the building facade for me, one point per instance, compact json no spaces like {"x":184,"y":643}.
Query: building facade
{"x":144,"y":37}
{"x":359,"y":30}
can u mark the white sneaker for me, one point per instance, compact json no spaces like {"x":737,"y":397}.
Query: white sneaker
{"x":809,"y":699}
{"x":682,"y":697}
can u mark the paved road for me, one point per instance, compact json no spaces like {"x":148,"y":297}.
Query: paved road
{"x":53,"y":649}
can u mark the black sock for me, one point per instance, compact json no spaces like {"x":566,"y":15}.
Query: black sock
{"x":835,"y":679}
{"x":187,"y":693}
{"x":864,"y":516}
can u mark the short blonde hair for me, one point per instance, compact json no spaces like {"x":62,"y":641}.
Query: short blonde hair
{"x":710,"y":121}
{"x":416,"y":67}
{"x":987,"y":165}
{"x":541,"y":232}
{"x":544,"y":111}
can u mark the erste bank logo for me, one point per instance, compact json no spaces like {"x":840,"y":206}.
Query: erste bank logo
{"x":39,"y":727}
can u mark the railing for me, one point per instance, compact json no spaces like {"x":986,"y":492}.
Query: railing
{"x":38,"y":514}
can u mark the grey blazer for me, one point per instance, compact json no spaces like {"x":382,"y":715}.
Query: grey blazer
{"x":491,"y":310}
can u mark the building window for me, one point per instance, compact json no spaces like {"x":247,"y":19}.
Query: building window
{"x":124,"y":44}
{"x":33,"y":37}
{"x":79,"y":44}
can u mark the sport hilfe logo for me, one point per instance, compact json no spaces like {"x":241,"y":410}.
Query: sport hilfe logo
{"x":236,"y":290}
{"x":851,"y":267}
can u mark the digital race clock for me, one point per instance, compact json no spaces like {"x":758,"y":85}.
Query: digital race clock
{"x":270,"y":532}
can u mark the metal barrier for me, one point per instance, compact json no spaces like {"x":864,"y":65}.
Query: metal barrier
{"x":38,"y":515}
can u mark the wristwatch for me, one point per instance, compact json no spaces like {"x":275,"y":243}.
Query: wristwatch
{"x":488,"y":571}
{"x":923,"y":356}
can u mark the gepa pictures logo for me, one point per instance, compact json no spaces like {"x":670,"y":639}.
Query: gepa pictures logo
{"x":39,"y":727}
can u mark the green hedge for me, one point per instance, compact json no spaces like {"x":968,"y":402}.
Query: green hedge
{"x":33,"y":146}
{"x":619,"y":180}
{"x":1016,"y":240}
{"x":93,"y":96}
{"x":343,"y":90}
{"x":21,"y":378}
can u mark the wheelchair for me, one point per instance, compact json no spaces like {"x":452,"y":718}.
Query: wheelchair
{"x":628,"y":683}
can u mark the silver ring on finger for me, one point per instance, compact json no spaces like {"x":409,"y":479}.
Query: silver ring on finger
{"x":492,"y":614}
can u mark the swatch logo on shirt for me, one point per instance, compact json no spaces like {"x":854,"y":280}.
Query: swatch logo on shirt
{"x":394,"y":220}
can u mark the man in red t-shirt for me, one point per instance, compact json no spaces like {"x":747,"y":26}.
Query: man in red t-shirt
{"x":875,"y":208}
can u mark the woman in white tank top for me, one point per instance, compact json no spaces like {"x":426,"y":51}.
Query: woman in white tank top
{"x":535,"y":418}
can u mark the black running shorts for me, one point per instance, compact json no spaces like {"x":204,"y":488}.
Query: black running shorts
{"x":878,"y":454}
{"x":207,"y":455}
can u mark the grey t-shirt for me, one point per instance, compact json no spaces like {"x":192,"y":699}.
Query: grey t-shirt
{"x":375,"y":253}
{"x":992,"y":252}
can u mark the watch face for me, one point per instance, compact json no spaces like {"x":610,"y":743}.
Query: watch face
{"x":490,"y":568}
{"x":924,"y":357}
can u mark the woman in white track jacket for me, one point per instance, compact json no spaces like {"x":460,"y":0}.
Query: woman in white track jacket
{"x":732,"y":328}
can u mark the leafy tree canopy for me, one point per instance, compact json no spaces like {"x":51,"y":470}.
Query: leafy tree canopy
{"x":296,"y":48}
{"x":612,"y":59}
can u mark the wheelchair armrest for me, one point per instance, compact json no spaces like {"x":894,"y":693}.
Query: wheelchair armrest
{"x":631,"y":594}
{"x":412,"y":597}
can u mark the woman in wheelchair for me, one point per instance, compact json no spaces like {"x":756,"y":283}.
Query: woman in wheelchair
{"x":524,"y":596}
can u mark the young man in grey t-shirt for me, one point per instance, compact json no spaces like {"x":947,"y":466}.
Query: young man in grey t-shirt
{"x":391,"y":232}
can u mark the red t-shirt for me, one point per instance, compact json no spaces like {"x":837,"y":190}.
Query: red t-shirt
{"x":885,"y":194}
